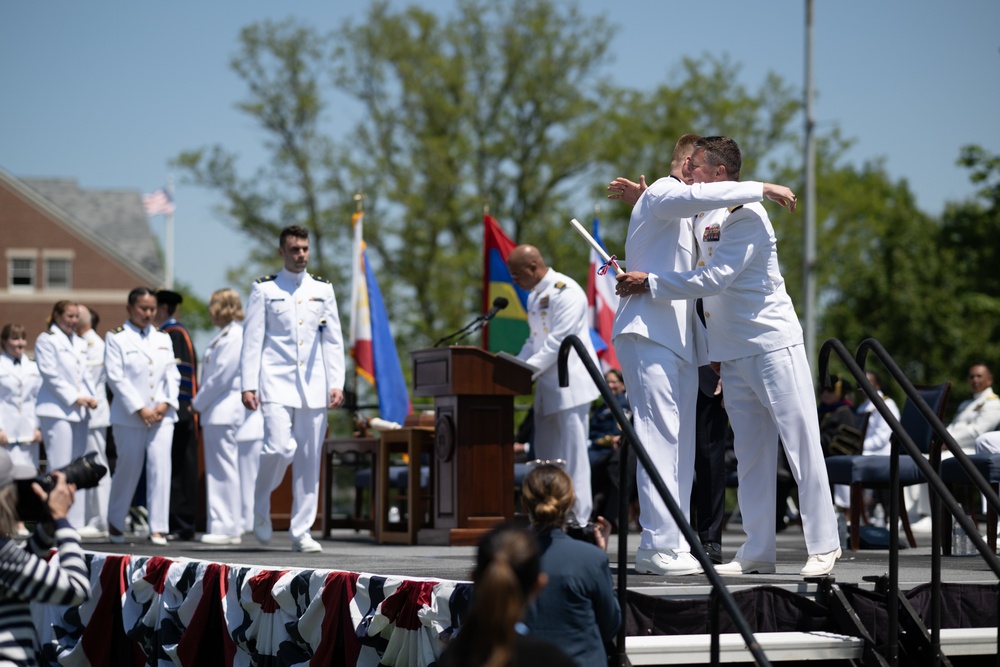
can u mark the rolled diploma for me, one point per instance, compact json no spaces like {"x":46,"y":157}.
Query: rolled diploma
{"x":594,"y":244}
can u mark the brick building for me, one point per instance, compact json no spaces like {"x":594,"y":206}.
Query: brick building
{"x":58,"y":241}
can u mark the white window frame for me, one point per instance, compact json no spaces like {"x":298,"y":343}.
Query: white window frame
{"x":47,"y":273}
{"x":19,"y":255}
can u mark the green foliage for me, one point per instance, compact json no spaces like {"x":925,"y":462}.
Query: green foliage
{"x":508,"y":105}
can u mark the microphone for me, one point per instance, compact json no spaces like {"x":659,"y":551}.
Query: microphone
{"x":499,"y":304}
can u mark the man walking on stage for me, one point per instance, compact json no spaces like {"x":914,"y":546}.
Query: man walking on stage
{"x":292,"y":368}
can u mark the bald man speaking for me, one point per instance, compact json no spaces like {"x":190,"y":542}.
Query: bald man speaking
{"x":557,"y":308}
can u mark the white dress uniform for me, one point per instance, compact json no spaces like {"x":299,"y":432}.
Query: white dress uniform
{"x":62,"y":361}
{"x":142,"y":373}
{"x":19,"y":385}
{"x":293,"y":355}
{"x":249,"y":441}
{"x":655,"y":342}
{"x":977,"y":415}
{"x":752,"y":329}
{"x":221,"y":415}
{"x":557,"y":308}
{"x":96,"y":502}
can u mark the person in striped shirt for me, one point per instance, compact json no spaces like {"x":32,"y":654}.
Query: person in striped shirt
{"x":25,"y":573}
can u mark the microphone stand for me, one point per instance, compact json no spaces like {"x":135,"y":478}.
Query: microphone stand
{"x":466,"y":330}
{"x":482,"y":323}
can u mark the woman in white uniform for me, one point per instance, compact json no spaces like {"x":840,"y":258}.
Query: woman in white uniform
{"x":143,"y":376}
{"x":221,"y":412}
{"x":66,"y":397}
{"x":19,"y":385}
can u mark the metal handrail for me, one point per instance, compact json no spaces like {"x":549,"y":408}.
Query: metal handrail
{"x":902,"y":439}
{"x":725,"y":598}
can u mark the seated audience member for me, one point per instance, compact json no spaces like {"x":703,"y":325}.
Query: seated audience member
{"x":877,"y":434}
{"x":838,"y":423}
{"x":577,"y":611}
{"x":979,"y":414}
{"x":26,"y":572}
{"x":507,"y":576}
{"x":605,"y":454}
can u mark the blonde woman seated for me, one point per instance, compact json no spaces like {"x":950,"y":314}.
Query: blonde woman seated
{"x":577,"y":611}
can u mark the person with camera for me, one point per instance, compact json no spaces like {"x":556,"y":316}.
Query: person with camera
{"x":143,"y":376}
{"x":577,"y":611}
{"x":26,"y":573}
{"x":66,"y":396}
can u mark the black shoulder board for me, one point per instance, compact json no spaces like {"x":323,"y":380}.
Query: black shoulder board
{"x":735,"y":208}
{"x":118,"y":330}
{"x":320,"y":278}
{"x":50,"y":332}
{"x":264,"y":279}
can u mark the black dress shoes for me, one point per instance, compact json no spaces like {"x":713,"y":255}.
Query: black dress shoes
{"x":714,"y":551}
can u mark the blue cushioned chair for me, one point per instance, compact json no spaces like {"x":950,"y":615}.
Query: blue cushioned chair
{"x":872,"y":472}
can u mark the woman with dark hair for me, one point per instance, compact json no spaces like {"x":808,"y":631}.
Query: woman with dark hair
{"x":19,"y":385}
{"x":66,"y":397}
{"x":506,"y":577}
{"x":26,"y":572}
{"x":577,"y":611}
{"x":142,"y":374}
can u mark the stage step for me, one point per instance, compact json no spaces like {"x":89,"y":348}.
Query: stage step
{"x":777,"y":646}
{"x":785,"y":646}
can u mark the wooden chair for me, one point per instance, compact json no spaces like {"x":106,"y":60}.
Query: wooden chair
{"x":872,"y":472}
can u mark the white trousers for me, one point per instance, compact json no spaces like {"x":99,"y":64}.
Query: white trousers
{"x":24,"y":453}
{"x":249,"y":464}
{"x":64,"y":442}
{"x":769,"y":396}
{"x":222,"y":480}
{"x":292,"y":436}
{"x":97,"y":498}
{"x":663,"y":393}
{"x":563,"y":435}
{"x":136,"y":444}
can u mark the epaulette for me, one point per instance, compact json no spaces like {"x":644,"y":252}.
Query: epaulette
{"x":50,"y":332}
{"x":320,"y":278}
{"x":118,"y":330}
{"x":266,"y":279}
{"x":735,"y":208}
{"x":560,"y":285}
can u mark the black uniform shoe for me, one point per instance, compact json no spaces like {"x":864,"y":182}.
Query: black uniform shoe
{"x":714,"y":552}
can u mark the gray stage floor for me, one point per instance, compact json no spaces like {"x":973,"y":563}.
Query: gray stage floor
{"x":358,"y":552}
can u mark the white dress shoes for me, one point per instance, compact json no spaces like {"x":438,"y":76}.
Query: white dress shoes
{"x":739,"y":566}
{"x":90,"y":532}
{"x":262,"y":529}
{"x":220,"y":540}
{"x":666,"y":563}
{"x":307,"y":545}
{"x":158,"y":540}
{"x":820,"y":564}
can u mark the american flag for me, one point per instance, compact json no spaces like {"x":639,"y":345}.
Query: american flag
{"x":158,"y":203}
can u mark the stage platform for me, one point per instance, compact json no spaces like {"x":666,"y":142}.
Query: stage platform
{"x":357,"y":552}
{"x":361,"y":603}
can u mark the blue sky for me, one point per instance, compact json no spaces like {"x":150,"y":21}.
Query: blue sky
{"x":107,"y":93}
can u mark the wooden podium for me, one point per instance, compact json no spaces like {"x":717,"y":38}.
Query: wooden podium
{"x":473,"y":394}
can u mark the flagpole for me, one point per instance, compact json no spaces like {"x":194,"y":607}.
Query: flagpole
{"x":356,"y":270}
{"x":168,"y":231}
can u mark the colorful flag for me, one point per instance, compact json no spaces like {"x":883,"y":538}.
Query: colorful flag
{"x":371,"y":341}
{"x":603,"y":303}
{"x":160,"y":202}
{"x":509,"y":329}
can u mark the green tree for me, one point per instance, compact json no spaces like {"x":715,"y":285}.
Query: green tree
{"x":491,"y":105}
{"x":304,"y":181}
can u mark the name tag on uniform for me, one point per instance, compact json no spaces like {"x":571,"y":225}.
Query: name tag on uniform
{"x":273,"y":300}
{"x":316,"y":298}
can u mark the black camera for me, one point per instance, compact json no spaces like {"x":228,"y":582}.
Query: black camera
{"x":584,"y":533}
{"x":85,"y":472}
